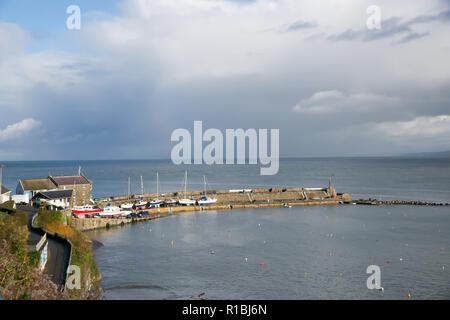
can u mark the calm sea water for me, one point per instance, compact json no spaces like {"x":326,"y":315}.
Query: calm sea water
{"x":298,"y":253}
{"x":385,"y":178}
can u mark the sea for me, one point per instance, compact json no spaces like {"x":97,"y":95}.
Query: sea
{"x":307,"y":252}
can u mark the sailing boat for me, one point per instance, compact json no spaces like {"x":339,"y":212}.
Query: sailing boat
{"x":156,"y":202}
{"x":186,"y":201}
{"x":127,"y":205}
{"x":142,"y":202}
{"x":205,"y":200}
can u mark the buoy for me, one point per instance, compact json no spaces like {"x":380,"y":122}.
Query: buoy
{"x":389,"y":261}
{"x":171,"y":243}
{"x":212,"y":252}
{"x":409,"y":295}
{"x":262,"y":264}
{"x":246,"y":259}
{"x":401,"y":259}
{"x":331,"y":253}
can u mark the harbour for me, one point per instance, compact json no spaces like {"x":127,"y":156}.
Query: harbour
{"x":276,"y":239}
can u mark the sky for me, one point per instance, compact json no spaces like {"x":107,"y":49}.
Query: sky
{"x":137,"y":70}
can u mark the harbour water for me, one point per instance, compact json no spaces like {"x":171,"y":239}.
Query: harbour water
{"x":317,"y":252}
{"x":381,"y":178}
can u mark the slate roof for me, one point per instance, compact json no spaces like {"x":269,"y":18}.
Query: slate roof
{"x":4,"y":190}
{"x":37,"y":184}
{"x":69,"y":180}
{"x":52,"y":195}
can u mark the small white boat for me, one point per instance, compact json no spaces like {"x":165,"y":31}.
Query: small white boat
{"x":110,"y":211}
{"x":126,"y":206}
{"x":186,"y":201}
{"x":171,"y":201}
{"x":205,"y":201}
{"x":156,"y":202}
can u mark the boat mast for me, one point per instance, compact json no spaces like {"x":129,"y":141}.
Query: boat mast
{"x":204,"y":185}
{"x":129,"y":190}
{"x":157,"y":184}
{"x":185,"y":181}
{"x":142,"y":187}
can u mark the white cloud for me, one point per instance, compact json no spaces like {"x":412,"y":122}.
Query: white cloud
{"x":333,"y":101}
{"x":218,"y":59}
{"x":18,"y":129}
{"x":419,"y":128}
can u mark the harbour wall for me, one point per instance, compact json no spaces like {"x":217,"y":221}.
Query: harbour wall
{"x":154,"y":213}
{"x":226,"y":197}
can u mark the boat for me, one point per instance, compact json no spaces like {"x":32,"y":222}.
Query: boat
{"x":125,"y":213}
{"x":205,"y":200}
{"x":126,"y":206}
{"x":141,"y":203}
{"x":186,"y":201}
{"x":171,"y":201}
{"x":156,"y":202}
{"x":111,"y":211}
{"x":87,"y":210}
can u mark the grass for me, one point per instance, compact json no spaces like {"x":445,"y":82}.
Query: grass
{"x":19,"y":278}
{"x":82,"y":254}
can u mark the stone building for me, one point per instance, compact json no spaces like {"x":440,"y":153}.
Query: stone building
{"x":80,"y":185}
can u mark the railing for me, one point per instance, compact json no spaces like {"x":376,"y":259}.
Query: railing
{"x":41,"y":242}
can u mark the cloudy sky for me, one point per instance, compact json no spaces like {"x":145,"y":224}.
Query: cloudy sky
{"x":139,"y":69}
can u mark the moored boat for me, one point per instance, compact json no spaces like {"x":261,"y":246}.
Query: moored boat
{"x":126,"y":206}
{"x":83,"y":211}
{"x":205,"y":200}
{"x":156,"y":202}
{"x":186,"y":201}
{"x":111,"y":211}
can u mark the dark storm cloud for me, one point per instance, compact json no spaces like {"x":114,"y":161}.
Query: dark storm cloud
{"x":153,"y":74}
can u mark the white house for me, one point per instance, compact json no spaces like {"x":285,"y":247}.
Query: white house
{"x":5,"y":194}
{"x":33,"y":186}
{"x":58,"y":198}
